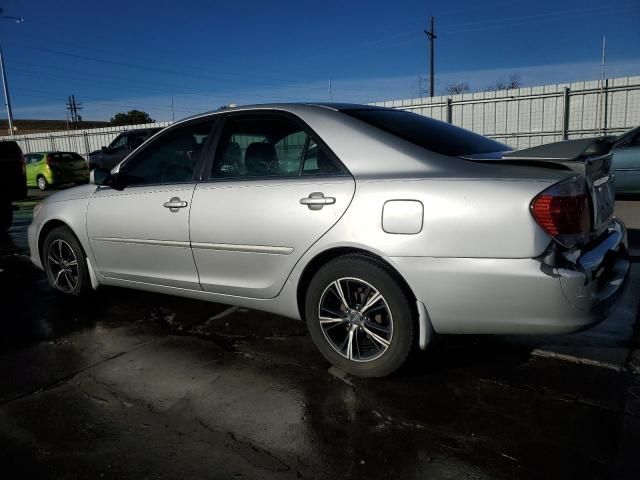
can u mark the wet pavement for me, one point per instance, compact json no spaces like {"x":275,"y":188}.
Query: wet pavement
{"x":128,"y":384}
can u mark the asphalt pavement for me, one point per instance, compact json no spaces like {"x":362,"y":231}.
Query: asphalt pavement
{"x":128,"y":384}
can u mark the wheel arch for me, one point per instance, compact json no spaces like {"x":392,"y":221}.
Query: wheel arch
{"x":48,"y":226}
{"x":312,"y":267}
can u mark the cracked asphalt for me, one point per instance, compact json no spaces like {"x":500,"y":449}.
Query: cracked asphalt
{"x":128,"y":384}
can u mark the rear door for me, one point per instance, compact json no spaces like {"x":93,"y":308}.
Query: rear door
{"x":274,"y":190}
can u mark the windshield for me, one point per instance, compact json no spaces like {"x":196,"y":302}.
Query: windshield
{"x":434,"y":135}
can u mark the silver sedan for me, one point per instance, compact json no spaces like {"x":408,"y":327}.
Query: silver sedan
{"x":378,"y":227}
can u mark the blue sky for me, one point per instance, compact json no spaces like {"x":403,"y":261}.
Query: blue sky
{"x":119,"y":55}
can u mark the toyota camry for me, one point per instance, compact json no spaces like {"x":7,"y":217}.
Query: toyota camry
{"x":378,"y":227}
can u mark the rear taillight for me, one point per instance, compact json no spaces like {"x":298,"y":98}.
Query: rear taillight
{"x":564,"y":212}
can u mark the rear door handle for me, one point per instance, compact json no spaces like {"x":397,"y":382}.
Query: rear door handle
{"x":175,"y":204}
{"x":317,"y":200}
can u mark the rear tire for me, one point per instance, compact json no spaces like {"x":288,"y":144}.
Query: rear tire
{"x":367,"y":337}
{"x":6,"y":216}
{"x":65,"y":263}
{"x":42,"y":183}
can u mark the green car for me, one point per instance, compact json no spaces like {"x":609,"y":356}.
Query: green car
{"x":55,"y":168}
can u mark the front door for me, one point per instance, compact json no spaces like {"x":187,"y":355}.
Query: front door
{"x":141,"y":234}
{"x":273,"y":192}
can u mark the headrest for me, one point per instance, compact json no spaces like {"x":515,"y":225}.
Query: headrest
{"x":260,"y":158}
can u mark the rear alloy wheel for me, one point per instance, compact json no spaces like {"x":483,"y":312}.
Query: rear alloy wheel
{"x":359,"y":316}
{"x":42,"y":183}
{"x":64,"y":262}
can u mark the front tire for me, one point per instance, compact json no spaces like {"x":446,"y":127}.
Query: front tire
{"x":42,"y":183}
{"x":360,"y":317}
{"x":65,"y":263}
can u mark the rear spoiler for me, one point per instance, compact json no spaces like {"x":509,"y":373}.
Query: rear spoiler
{"x":565,"y":155}
{"x":569,"y":154}
{"x":627,"y":137}
{"x":566,"y":151}
{"x":573,"y":150}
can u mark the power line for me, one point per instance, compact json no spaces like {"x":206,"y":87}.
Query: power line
{"x":148,"y":68}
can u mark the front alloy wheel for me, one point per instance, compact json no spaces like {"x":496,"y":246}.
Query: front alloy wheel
{"x":360,"y":317}
{"x":63,"y":265}
{"x":64,"y":262}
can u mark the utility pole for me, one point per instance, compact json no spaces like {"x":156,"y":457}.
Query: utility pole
{"x":7,"y":99}
{"x":73,"y":108}
{"x":5,"y":86}
{"x":431,"y":35}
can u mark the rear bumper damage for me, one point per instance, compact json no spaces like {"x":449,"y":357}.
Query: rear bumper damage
{"x":547,"y":295}
{"x":595,"y":281}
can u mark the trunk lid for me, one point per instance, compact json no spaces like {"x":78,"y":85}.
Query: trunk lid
{"x":589,"y":158}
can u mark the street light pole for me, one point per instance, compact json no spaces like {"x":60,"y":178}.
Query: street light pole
{"x":5,"y":87}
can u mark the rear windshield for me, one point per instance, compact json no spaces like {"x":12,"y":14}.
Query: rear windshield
{"x":434,"y":135}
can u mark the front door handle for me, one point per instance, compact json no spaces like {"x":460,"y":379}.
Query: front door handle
{"x":175,"y":204}
{"x":317,"y":200}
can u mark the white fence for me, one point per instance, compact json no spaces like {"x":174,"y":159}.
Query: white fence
{"x":80,"y":141}
{"x":521,"y":117}
{"x":526,"y":117}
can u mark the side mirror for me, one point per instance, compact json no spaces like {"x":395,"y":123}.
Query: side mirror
{"x":100,"y":176}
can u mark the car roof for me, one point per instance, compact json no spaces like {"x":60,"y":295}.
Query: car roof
{"x":291,"y":107}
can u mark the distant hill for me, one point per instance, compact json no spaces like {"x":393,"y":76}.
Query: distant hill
{"x":40,"y":126}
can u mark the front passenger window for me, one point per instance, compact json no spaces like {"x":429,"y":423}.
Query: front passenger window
{"x":171,"y":158}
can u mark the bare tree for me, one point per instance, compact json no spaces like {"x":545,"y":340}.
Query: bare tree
{"x":456,"y":88}
{"x":513,"y":81}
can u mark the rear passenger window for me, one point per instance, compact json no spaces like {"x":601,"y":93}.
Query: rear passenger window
{"x":318,"y":162}
{"x":260,"y":147}
{"x":269,"y":146}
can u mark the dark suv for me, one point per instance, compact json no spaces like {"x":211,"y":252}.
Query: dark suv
{"x":13,"y":182}
{"x":123,"y":145}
